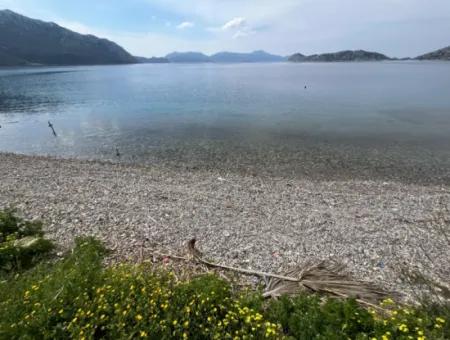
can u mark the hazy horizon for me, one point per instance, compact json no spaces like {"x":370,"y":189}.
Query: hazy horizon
{"x":397,"y":28}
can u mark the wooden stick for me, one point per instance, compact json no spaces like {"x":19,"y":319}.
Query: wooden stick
{"x":248,"y":271}
{"x":240,"y":270}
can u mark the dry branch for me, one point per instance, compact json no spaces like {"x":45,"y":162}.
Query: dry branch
{"x":322,"y":278}
{"x":318,"y":278}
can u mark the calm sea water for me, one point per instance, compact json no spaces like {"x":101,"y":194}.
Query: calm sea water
{"x":144,"y":109}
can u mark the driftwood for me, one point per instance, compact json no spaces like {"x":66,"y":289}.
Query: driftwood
{"x":50,"y":125}
{"x":323,"y":278}
{"x":197,"y":255}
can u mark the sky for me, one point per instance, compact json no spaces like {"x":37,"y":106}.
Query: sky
{"x":398,"y":28}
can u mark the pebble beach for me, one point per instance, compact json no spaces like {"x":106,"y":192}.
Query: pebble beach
{"x":376,"y":229}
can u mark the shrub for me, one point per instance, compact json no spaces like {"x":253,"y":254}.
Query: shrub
{"x":21,"y":242}
{"x":79,"y":298}
{"x":310,"y":317}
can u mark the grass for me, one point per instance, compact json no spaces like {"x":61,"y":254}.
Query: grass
{"x":78,"y":297}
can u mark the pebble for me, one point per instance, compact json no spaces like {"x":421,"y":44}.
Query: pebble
{"x":265,"y":223}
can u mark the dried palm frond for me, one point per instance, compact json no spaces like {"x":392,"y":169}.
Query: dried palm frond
{"x":323,"y":278}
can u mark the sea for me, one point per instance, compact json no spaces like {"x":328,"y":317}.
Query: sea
{"x":257,"y":115}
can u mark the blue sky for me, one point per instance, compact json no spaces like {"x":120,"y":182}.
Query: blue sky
{"x":156,"y":27}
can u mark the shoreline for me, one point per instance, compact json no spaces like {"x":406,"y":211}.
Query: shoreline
{"x":375,"y":228}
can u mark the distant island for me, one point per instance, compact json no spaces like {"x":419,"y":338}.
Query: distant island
{"x":442,"y":54}
{"x":224,"y":57}
{"x":152,"y":60}
{"x":359,"y":55}
{"x":25,"y":41}
{"x":188,"y":57}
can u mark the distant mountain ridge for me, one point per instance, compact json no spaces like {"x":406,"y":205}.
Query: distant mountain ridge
{"x":25,"y":41}
{"x":253,"y":57}
{"x":152,"y":60}
{"x":188,"y":57}
{"x":358,"y":55}
{"x":223,"y":57}
{"x":442,"y":54}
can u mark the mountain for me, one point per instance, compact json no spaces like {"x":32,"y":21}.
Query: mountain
{"x":358,"y":55}
{"x":254,"y":57}
{"x":188,"y":57}
{"x":223,"y":57}
{"x":25,"y":41}
{"x":442,"y":54}
{"x":10,"y":60}
{"x":297,"y":57}
{"x":152,"y":60}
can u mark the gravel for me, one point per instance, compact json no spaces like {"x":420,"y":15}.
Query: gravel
{"x":375,"y":228}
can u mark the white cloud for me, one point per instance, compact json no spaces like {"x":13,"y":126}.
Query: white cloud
{"x":238,"y":26}
{"x":235,"y":23}
{"x":185,"y":25}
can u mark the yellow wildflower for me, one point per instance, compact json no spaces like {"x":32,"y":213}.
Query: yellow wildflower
{"x":388,"y":301}
{"x":403,"y":328}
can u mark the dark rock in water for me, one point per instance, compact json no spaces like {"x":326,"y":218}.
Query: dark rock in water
{"x":25,"y":41}
{"x":358,"y":55}
{"x":442,"y":54}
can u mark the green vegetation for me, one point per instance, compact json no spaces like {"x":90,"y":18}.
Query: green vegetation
{"x":309,"y":317}
{"x":79,"y":297}
{"x":21,"y":243}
